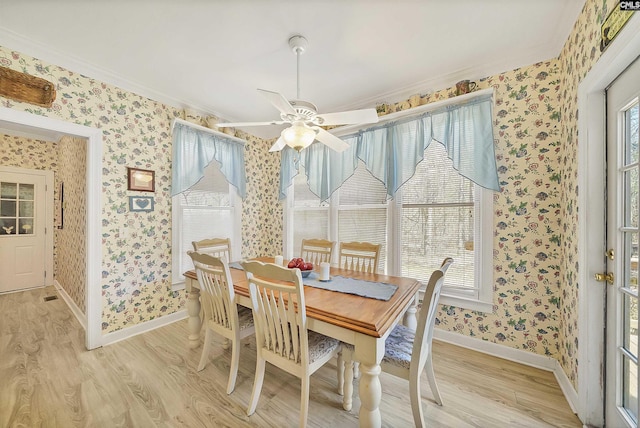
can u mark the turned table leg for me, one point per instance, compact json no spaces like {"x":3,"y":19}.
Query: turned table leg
{"x":410,"y":317}
{"x":193,"y":309}
{"x":370,"y":395}
{"x":369,"y":351}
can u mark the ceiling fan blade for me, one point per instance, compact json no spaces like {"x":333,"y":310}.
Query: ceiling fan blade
{"x":330,"y":140}
{"x":367,"y":115}
{"x":240,"y":124}
{"x":279,"y":145}
{"x":279,"y":101}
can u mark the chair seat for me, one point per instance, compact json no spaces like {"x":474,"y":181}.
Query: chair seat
{"x":398,"y":347}
{"x":321,"y":345}
{"x":245,"y":317}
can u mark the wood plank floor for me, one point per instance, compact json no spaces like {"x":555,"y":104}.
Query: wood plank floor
{"x":48,"y":379}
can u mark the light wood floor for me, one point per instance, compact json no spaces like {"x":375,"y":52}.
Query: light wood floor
{"x":48,"y":379}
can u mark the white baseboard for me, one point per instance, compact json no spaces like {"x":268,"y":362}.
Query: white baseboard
{"x":80,"y":316}
{"x":144,"y":327}
{"x":123,"y":334}
{"x":516,"y":355}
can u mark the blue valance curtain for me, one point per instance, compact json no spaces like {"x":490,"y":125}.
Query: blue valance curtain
{"x":193,"y":150}
{"x":392,"y":151}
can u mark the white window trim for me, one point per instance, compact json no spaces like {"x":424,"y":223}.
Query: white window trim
{"x":483,"y":253}
{"x":236,"y":237}
{"x":483,"y":259}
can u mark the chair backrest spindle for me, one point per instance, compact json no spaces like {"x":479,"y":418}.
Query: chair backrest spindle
{"x":277,"y":298}
{"x":317,"y":251}
{"x":359,"y":256}
{"x":217,"y":247}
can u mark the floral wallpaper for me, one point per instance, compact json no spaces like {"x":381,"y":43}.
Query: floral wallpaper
{"x":579,"y":54}
{"x":527,"y":300}
{"x":262,"y":237}
{"x":535,"y":214}
{"x":71,"y":239}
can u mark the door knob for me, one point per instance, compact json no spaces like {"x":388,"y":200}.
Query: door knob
{"x":610,"y":254}
{"x":602,"y":277}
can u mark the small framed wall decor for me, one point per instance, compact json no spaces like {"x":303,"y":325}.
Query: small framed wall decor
{"x":142,"y":180}
{"x":141,"y":203}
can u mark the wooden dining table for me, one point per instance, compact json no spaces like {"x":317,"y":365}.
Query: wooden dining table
{"x":361,"y":321}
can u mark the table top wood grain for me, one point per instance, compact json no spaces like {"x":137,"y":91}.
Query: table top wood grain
{"x":361,"y":314}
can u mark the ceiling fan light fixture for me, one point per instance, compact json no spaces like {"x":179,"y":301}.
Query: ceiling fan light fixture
{"x":298,"y":136}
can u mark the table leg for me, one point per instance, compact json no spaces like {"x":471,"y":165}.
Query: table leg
{"x":410,"y":318}
{"x":370,"y":395}
{"x":369,"y":351}
{"x":193,"y":309}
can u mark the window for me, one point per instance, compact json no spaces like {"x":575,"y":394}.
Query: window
{"x":437,"y":213}
{"x":362,"y":211}
{"x":210,"y":208}
{"x":443,"y":215}
{"x":17,"y":208}
{"x":310,"y":216}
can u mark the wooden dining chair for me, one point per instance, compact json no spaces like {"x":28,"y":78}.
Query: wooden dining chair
{"x":282,"y":338}
{"x":359,"y":256}
{"x":222,"y":315}
{"x":317,"y":251}
{"x":408,"y":353}
{"x":217,"y":247}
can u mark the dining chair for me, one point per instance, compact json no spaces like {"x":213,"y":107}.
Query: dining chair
{"x":282,"y":337}
{"x":317,"y":251}
{"x":222,"y":315}
{"x":408,"y":353}
{"x":359,"y":256}
{"x":217,"y":247}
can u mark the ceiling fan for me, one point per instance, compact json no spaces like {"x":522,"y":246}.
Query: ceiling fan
{"x":303,"y":116}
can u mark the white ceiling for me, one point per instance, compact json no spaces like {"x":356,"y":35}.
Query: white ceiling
{"x":213,"y":54}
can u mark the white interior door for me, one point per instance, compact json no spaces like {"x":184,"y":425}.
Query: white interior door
{"x":623,"y":229}
{"x":23,"y":220}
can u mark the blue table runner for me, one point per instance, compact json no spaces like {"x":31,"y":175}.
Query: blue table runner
{"x":359,"y":287}
{"x":341,"y":284}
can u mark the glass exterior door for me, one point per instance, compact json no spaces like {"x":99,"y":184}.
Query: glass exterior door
{"x":623,"y":229}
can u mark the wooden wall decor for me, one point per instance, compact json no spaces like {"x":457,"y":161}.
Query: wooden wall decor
{"x":26,"y":88}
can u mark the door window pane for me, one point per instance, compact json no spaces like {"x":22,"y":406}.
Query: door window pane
{"x":8,"y":190}
{"x":8,"y":208}
{"x":631,"y":118}
{"x":26,"y":208}
{"x":630,"y":388}
{"x":631,"y":197}
{"x":630,"y":324}
{"x":631,"y":260}
{"x":17,"y":208}
{"x":26,"y":226}
{"x":7,"y":226}
{"x":26,"y":192}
